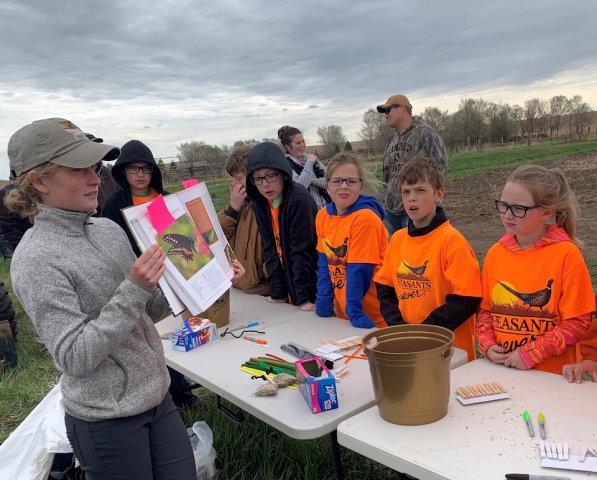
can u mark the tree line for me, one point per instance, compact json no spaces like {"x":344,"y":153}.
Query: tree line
{"x":476,"y":122}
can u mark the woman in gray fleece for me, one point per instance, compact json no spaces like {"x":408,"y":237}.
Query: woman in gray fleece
{"x":93,"y":303}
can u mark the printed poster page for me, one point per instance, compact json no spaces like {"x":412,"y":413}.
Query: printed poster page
{"x":190,"y":261}
{"x":199,"y":205}
{"x":144,"y":241}
{"x":193,"y":276}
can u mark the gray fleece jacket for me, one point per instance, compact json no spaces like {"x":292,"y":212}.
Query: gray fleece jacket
{"x":70,"y":272}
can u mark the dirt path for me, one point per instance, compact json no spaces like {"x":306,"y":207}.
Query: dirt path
{"x":469,"y":203}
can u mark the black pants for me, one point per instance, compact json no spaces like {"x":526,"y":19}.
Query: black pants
{"x":179,"y":389}
{"x":153,"y":445}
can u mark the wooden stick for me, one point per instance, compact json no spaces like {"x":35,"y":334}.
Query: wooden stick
{"x":354,"y":354}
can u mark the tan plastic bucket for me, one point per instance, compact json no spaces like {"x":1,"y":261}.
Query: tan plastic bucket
{"x":410,"y":369}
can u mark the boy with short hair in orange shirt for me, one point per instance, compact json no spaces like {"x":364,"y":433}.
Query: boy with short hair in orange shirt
{"x":430,"y":274}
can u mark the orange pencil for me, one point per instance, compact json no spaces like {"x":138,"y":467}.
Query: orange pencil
{"x":353,"y":354}
{"x":260,"y":341}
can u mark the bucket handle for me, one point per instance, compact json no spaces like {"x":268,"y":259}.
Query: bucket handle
{"x":447,"y":354}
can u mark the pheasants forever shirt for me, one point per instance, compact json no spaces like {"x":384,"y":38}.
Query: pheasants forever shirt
{"x":530,"y":292}
{"x":356,"y":237}
{"x":424,"y":269}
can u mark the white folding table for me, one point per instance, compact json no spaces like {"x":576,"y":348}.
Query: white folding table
{"x":485,"y":440}
{"x":216,"y":366}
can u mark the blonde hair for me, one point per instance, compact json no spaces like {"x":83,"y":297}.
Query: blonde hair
{"x":370,"y":183}
{"x":550,"y":189}
{"x":23,"y":200}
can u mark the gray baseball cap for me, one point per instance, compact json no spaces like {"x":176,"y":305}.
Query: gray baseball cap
{"x":58,"y":141}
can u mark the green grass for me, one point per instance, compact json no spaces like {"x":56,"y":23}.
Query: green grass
{"x":219,"y":189}
{"x":21,"y":389}
{"x":468,"y":163}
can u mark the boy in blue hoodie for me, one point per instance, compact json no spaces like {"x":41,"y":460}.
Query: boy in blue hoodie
{"x":351,"y":241}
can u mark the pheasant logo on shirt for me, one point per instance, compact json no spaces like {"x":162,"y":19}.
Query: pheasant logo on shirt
{"x":338,"y":252}
{"x":520,"y":316}
{"x":412,"y":280}
{"x":336,"y":261}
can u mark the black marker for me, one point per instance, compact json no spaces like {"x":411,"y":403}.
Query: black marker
{"x":524,"y":476}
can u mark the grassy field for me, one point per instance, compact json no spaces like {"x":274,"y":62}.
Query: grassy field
{"x":244,"y":448}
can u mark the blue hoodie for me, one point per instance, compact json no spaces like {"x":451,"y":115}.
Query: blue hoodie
{"x":358,"y":275}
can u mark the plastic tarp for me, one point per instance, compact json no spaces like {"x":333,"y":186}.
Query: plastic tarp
{"x":28,"y":452}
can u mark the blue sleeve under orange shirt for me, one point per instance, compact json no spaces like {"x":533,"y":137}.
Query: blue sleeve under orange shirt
{"x":351,"y":248}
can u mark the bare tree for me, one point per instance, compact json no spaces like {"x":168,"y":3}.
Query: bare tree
{"x":453,"y":134}
{"x":200,"y":153}
{"x":531,"y":110}
{"x":436,"y":118}
{"x":246,"y":143}
{"x":332,"y":138}
{"x":374,"y":131}
{"x":558,"y":107}
{"x":542,"y":121}
{"x":500,"y":126}
{"x":473,"y":113}
{"x":517,"y":116}
{"x":579,"y":112}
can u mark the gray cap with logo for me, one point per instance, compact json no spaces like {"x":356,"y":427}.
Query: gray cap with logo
{"x":55,"y":140}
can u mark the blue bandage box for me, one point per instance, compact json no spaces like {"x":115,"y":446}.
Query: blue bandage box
{"x":316,"y":384}
{"x":194,"y":332}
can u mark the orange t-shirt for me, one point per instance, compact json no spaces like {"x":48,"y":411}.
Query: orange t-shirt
{"x":424,"y":269}
{"x":528,"y":292}
{"x":588,"y":343}
{"x":139,"y":199}
{"x":274,"y":207}
{"x":359,"y":237}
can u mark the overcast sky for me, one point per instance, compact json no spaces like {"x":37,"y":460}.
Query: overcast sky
{"x":166,"y":71}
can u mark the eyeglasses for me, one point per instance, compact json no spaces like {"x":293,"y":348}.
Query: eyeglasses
{"x":519,"y":211}
{"x":386,"y":110}
{"x":136,"y":169}
{"x":269,"y":178}
{"x":350,"y":182}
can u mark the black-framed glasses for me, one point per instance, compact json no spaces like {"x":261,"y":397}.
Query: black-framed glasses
{"x":136,"y":169}
{"x":269,"y":178}
{"x":350,"y":182}
{"x":519,"y":211}
{"x":386,"y":110}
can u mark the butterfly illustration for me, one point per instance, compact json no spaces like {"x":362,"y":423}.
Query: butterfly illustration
{"x":181,"y":245}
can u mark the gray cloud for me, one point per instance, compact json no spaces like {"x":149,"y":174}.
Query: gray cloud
{"x":201,"y":69}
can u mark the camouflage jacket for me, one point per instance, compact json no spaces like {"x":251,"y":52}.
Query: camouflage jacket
{"x":420,"y":137}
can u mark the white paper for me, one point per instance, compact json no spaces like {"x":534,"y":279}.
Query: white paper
{"x":573,"y":463}
{"x":197,"y":289}
{"x":482,"y":398}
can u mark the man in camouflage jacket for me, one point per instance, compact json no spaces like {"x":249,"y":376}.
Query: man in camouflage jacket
{"x":412,"y":136}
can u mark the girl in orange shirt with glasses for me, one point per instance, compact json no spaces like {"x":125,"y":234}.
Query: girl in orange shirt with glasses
{"x":351,"y":241}
{"x":537,"y":295}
